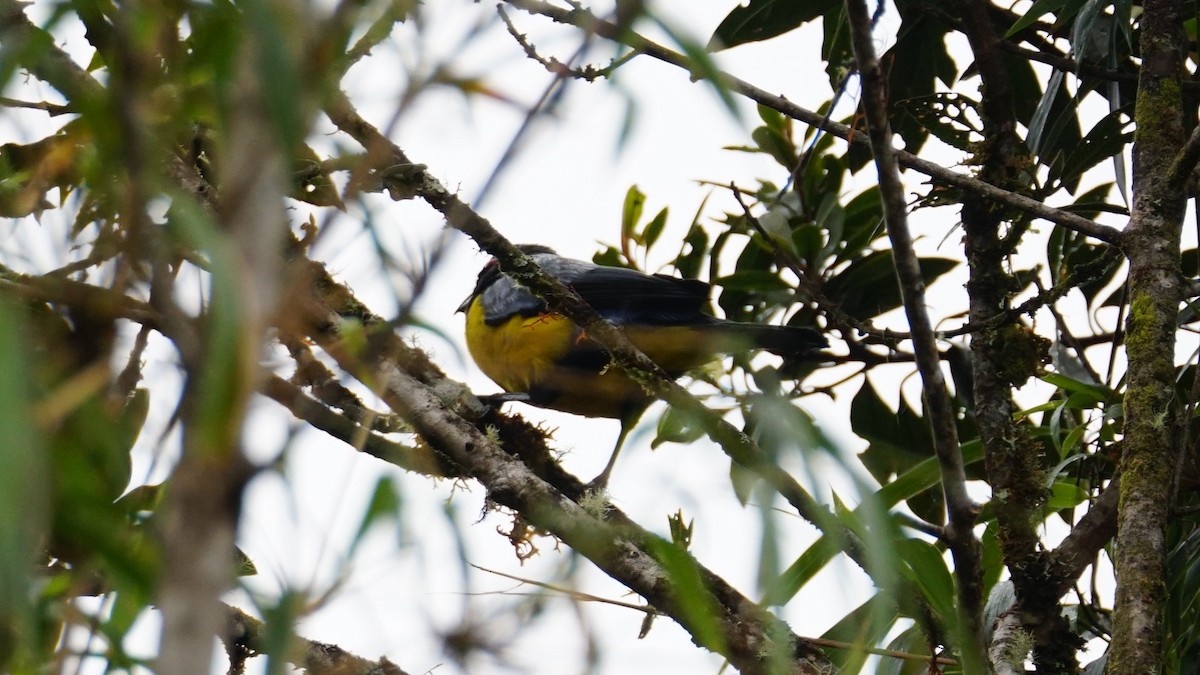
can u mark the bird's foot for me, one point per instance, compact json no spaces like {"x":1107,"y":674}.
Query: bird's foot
{"x":599,"y":484}
{"x":497,"y":400}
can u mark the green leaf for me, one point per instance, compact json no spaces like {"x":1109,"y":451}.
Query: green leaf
{"x":1037,"y":11}
{"x":925,"y":566}
{"x":677,"y":426}
{"x":868,"y":287}
{"x":752,"y":280}
{"x":910,"y":641}
{"x":917,"y":62}
{"x":610,"y":257}
{"x":866,"y":625}
{"x":1094,"y":393}
{"x":836,"y":49}
{"x":1105,"y":140}
{"x":773,"y":119}
{"x":924,"y":475}
{"x":1037,"y":125}
{"x":862,"y":224}
{"x":277,"y":70}
{"x":695,"y":601}
{"x":631,"y":212}
{"x":949,"y":116}
{"x":694,"y":252}
{"x":654,"y":228}
{"x":801,"y":571}
{"x":898,"y":440}
{"x":1065,"y":494}
{"x":1091,"y":31}
{"x":775,"y":144}
{"x":765,"y":19}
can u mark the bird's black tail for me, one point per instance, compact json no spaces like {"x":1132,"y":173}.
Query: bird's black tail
{"x":790,"y":342}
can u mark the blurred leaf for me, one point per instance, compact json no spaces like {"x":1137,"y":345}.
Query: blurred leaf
{"x":278,"y":68}
{"x":910,"y":641}
{"x":775,"y":144}
{"x":24,"y":491}
{"x":865,"y":625}
{"x":743,"y":481}
{"x":28,"y":172}
{"x":801,"y":571}
{"x":312,"y":182}
{"x":677,"y":426}
{"x":384,"y":507}
{"x":278,"y":638}
{"x":701,"y":64}
{"x":779,"y":425}
{"x":695,"y":602}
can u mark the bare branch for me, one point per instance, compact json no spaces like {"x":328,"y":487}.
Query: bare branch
{"x":585,"y":20}
{"x":962,"y":511}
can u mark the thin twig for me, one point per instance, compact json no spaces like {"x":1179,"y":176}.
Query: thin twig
{"x":583,"y":19}
{"x":51,"y":108}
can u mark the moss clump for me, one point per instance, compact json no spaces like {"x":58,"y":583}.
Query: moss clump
{"x":1019,"y":352}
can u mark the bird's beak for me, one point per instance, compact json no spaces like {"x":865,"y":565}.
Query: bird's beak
{"x":465,"y":304}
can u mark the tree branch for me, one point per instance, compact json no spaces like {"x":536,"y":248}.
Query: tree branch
{"x":962,"y":511}
{"x":1004,"y":356}
{"x":585,"y":20}
{"x":750,"y":637}
{"x":1155,"y":291}
{"x":410,"y":458}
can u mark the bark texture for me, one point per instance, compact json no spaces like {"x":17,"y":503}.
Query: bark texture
{"x":1155,"y":290}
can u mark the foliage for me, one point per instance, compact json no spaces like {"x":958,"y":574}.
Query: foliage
{"x":196,"y":154}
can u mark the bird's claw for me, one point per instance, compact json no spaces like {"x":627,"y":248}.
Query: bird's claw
{"x":497,"y":400}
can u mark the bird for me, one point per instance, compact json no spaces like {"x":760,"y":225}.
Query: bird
{"x":539,"y":357}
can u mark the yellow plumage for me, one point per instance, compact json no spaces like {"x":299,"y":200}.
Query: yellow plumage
{"x":522,"y":354}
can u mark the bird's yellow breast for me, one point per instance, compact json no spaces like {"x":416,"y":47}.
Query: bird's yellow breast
{"x":518,"y":352}
{"x":523,"y":354}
